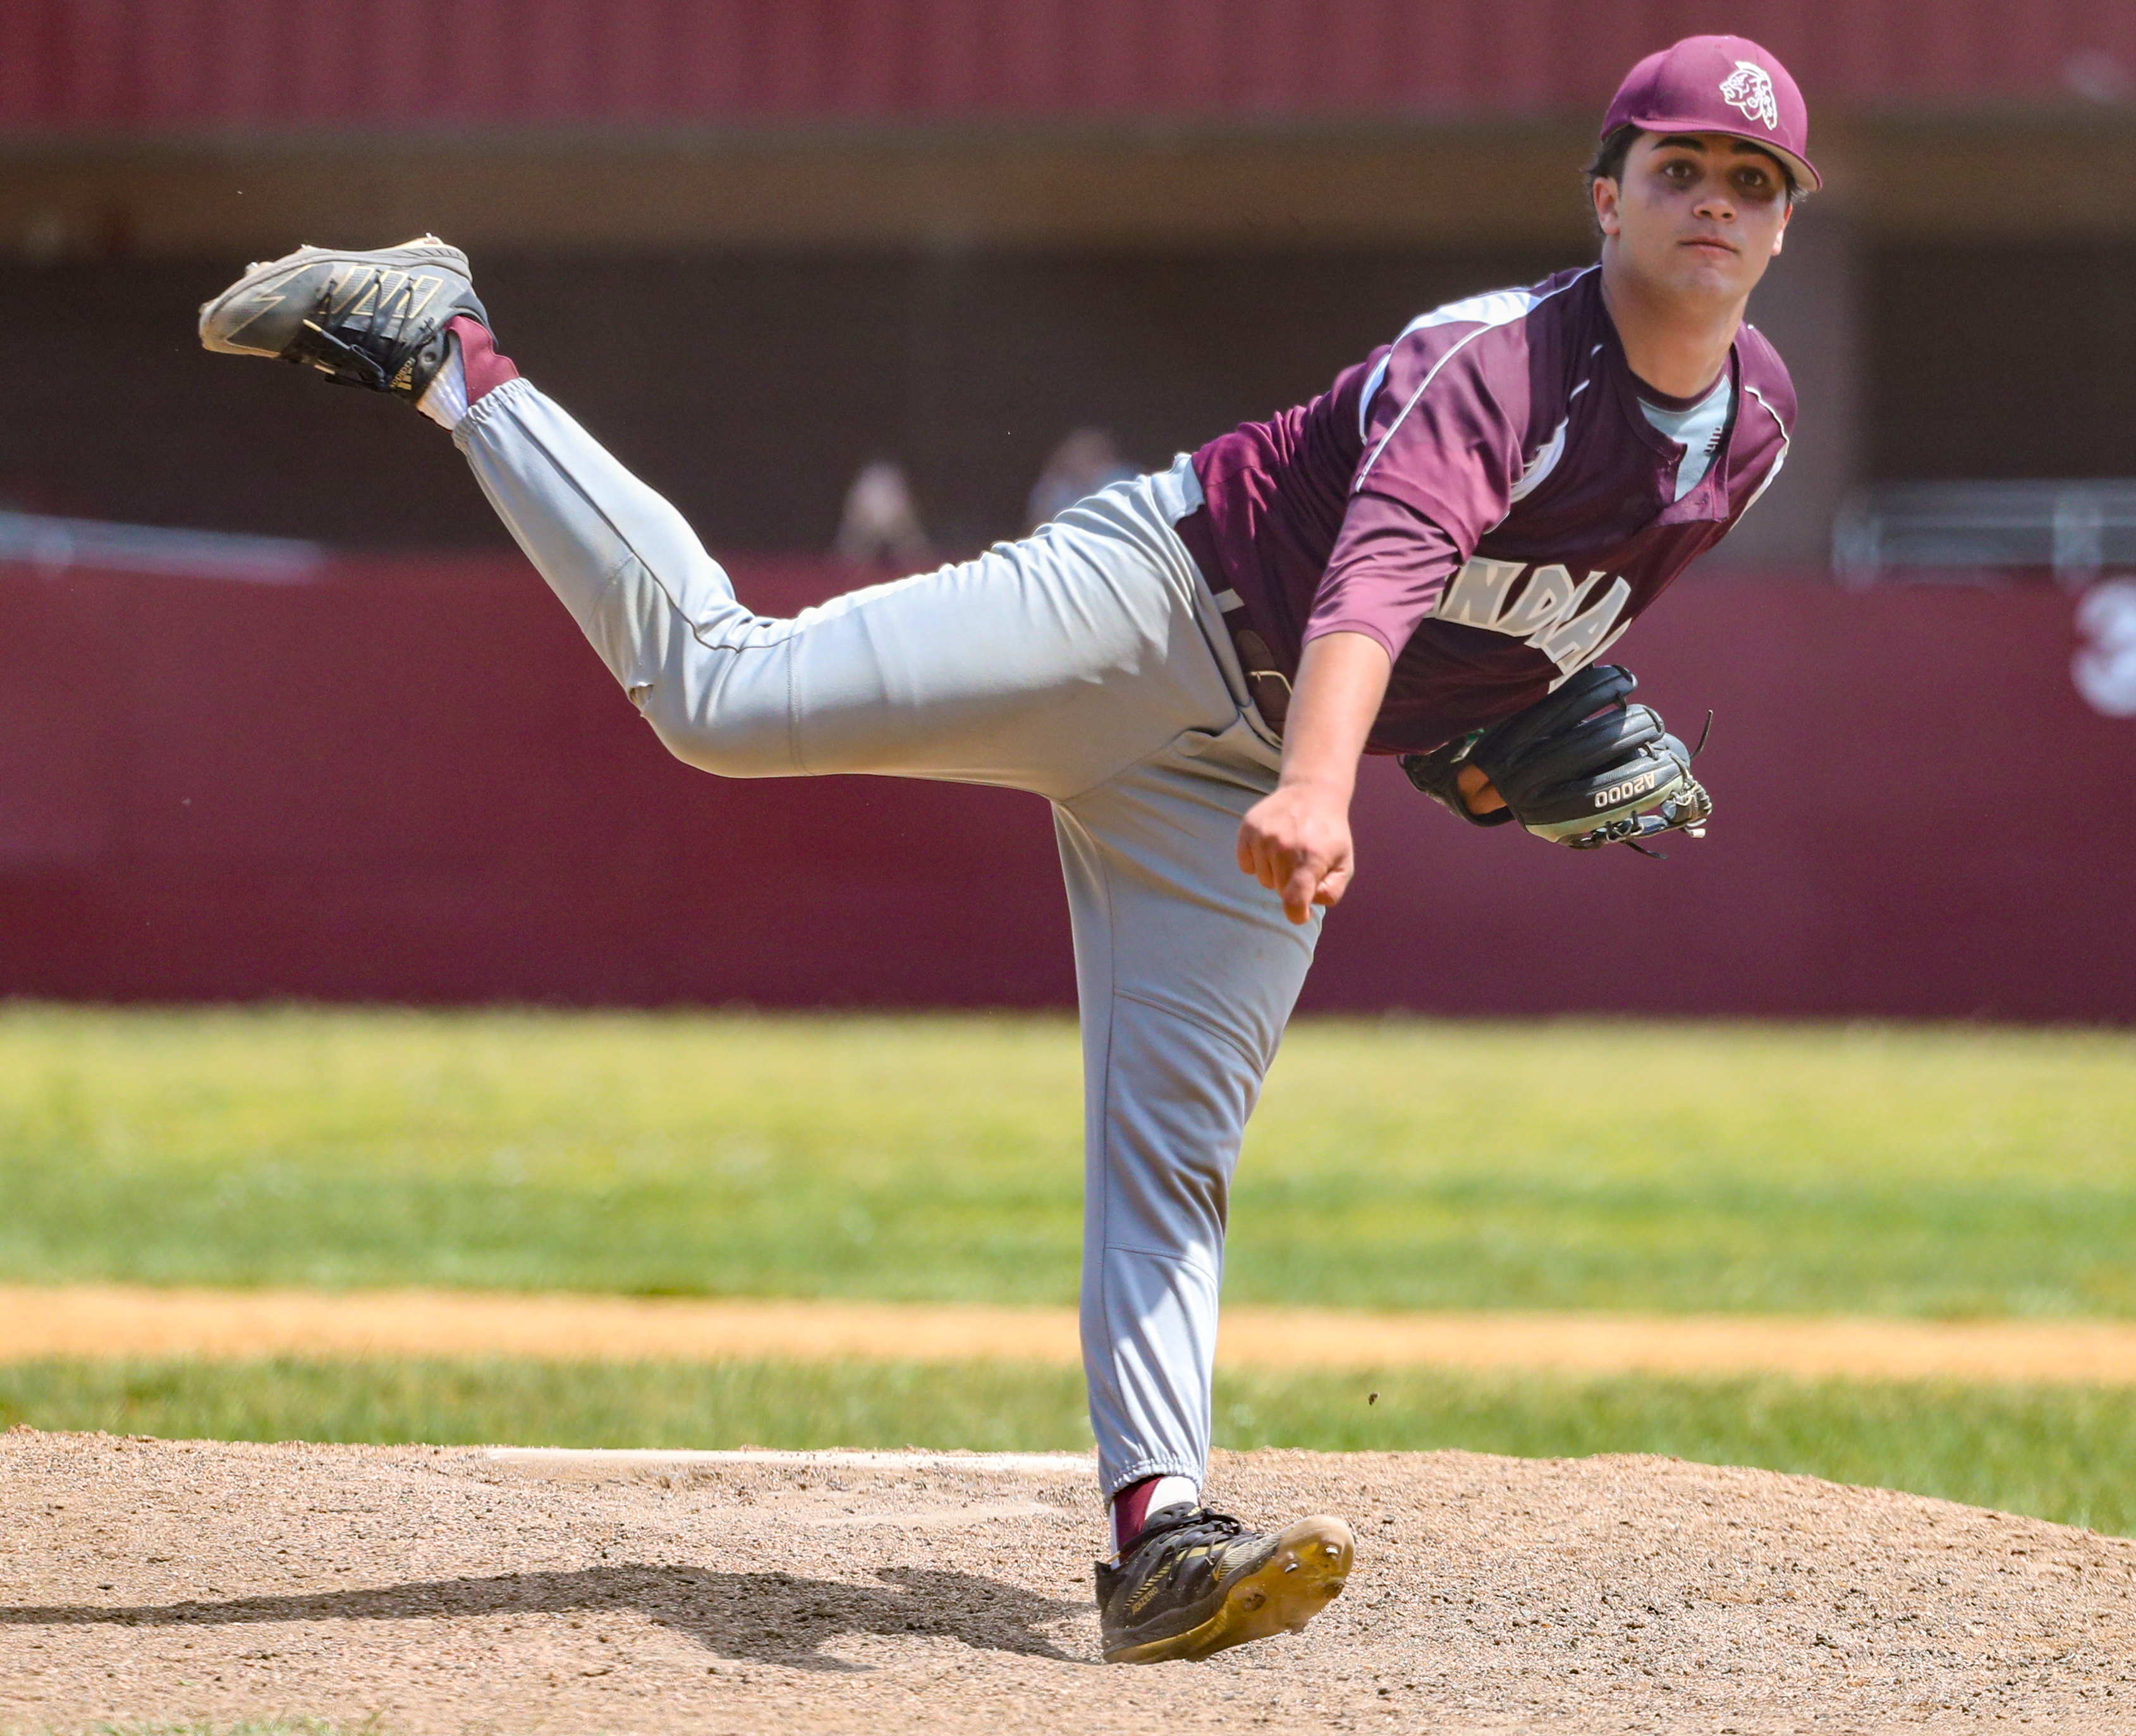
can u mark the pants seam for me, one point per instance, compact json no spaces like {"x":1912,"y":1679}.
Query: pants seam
{"x":494,"y":404}
{"x":1157,"y":752}
{"x":505,"y":395}
{"x":1203,"y":1025}
{"x":628,"y":557}
{"x":1102,"y":874}
{"x":766,"y":644}
{"x":1106,"y":1094}
{"x":1169,"y":1256}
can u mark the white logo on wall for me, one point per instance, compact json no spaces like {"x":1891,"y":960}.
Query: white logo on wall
{"x":1750,"y":88}
{"x":2104,"y":666}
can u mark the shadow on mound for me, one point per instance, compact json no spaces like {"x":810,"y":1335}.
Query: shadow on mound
{"x":772,"y":1618}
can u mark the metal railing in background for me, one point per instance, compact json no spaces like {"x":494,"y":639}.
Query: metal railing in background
{"x":54,"y":545}
{"x":1983,"y":533}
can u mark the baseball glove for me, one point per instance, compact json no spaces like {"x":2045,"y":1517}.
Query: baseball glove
{"x":1581,"y":767}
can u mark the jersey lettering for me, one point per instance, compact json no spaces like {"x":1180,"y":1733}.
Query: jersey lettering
{"x":1547,"y":598}
{"x":1478,"y":591}
{"x":1551,"y":612}
{"x":1575,"y":641}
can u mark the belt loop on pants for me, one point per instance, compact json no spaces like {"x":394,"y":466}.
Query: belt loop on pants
{"x":1269,"y":686}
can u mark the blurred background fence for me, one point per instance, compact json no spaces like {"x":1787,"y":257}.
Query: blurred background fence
{"x":759,"y":245}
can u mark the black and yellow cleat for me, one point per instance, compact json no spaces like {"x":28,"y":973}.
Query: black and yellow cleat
{"x":373,"y":319}
{"x":1197,"y":1582}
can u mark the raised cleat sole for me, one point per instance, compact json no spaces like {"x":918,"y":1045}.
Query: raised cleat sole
{"x":1305,"y":1571}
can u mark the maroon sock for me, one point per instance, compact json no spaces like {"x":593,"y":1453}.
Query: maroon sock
{"x":485,"y":369}
{"x":1130,"y":1507}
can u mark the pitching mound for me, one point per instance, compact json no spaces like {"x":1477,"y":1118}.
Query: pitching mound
{"x":450,"y":1591}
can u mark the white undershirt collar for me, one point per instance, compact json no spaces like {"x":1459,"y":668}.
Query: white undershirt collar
{"x":1698,"y":430}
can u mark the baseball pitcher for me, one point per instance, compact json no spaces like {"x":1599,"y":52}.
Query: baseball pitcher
{"x":1430,"y":561}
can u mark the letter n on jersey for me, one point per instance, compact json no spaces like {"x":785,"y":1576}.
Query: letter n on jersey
{"x":1568,"y":623}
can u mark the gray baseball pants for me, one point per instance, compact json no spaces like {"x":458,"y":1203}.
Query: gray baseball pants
{"x":1087,"y":663}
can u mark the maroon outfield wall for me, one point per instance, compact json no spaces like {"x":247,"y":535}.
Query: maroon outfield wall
{"x":411,"y":781}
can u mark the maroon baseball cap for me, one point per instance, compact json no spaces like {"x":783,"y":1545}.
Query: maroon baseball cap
{"x":1718,"y":85}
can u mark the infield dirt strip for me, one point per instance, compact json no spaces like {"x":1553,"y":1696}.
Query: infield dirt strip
{"x":454,"y":1590}
{"x":114,"y":1321}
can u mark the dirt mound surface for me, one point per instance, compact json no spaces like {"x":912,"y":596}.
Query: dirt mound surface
{"x":452,"y":1590}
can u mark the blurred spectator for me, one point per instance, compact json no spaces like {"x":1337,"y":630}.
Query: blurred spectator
{"x":1081,"y":464}
{"x":881,"y":525}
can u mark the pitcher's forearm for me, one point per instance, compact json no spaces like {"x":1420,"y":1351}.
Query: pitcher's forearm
{"x":1342,"y":679}
{"x":1296,"y":839}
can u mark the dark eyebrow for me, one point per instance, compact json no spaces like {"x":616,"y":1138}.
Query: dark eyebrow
{"x":1740,"y":147}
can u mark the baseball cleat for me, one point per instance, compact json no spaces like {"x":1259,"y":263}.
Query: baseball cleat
{"x":1196,"y":1582}
{"x":371,"y":319}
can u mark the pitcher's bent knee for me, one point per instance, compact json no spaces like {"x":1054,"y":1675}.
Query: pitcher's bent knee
{"x":740,"y":742}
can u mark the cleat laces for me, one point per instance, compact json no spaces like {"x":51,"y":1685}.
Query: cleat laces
{"x":367,"y":344}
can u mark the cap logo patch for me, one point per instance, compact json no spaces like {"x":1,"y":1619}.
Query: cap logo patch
{"x":1750,"y":88}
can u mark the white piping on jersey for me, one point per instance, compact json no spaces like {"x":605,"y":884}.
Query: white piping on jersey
{"x":1499,"y":308}
{"x":1494,"y":308}
{"x":1545,"y":461}
{"x":1786,"y":440}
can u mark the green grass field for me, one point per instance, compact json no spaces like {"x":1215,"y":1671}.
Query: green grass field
{"x":2056,"y":1451}
{"x":1945,"y":1172}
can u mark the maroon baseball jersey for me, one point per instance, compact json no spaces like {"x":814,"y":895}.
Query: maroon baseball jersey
{"x":1485,"y":498}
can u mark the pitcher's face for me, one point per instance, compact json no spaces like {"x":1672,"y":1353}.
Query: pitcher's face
{"x":1696,"y":214}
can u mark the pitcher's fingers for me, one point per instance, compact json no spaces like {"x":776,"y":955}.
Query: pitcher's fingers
{"x":1300,"y":889}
